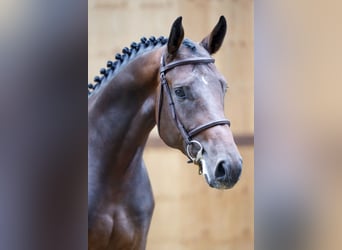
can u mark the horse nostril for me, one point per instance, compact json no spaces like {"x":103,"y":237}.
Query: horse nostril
{"x":220,"y":171}
{"x":226,"y":169}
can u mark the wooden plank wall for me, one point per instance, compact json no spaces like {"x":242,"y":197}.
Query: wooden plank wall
{"x":189,"y":214}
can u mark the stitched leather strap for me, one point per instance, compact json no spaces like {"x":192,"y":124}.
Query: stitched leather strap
{"x":165,"y":68}
{"x":201,"y":128}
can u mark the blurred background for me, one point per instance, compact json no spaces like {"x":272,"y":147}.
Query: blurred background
{"x":188,"y":213}
{"x":298,"y":122}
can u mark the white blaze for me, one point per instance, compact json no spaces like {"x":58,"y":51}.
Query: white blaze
{"x":205,"y":81}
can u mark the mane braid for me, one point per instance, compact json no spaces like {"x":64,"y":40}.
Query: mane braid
{"x":121,"y":59}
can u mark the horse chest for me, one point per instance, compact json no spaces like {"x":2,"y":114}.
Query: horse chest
{"x":122,"y":219}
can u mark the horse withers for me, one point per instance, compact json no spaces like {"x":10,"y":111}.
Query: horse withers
{"x":171,"y":82}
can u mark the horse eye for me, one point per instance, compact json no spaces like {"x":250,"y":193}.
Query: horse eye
{"x":180,"y":92}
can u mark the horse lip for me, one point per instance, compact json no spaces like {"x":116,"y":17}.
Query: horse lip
{"x":222,"y":186}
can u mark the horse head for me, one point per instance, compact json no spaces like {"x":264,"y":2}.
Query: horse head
{"x":190,"y":111}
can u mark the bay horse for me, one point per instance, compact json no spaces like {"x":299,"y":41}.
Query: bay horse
{"x":171,"y":82}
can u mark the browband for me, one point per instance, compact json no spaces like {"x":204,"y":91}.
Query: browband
{"x":166,"y":67}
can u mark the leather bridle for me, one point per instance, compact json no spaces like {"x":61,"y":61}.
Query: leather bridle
{"x":187,"y":135}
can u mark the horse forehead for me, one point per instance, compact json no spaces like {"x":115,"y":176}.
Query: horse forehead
{"x":209,"y":74}
{"x":189,"y":77}
{"x":199,"y":73}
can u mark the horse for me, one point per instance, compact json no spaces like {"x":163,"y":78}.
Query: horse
{"x":169,"y":82}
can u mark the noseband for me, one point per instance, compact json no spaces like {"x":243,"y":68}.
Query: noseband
{"x":187,"y":135}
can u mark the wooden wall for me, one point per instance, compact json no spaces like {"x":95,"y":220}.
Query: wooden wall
{"x":189,"y":214}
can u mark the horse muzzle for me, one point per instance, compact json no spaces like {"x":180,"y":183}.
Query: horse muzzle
{"x":225,"y":174}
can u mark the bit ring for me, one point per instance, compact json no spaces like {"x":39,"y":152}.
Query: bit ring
{"x":196,"y":158}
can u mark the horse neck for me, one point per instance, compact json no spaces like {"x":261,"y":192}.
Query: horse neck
{"x":122,"y":113}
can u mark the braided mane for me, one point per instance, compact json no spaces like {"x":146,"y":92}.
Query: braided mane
{"x":127,"y":54}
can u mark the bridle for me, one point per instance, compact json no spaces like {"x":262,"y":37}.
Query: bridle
{"x":187,"y":135}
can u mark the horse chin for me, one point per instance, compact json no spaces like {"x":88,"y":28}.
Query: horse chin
{"x":220,"y":186}
{"x":217,"y":185}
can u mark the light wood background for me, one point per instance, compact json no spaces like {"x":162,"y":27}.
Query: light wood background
{"x":188,"y":214}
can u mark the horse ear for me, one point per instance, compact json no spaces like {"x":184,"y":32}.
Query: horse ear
{"x":214,"y":40}
{"x":176,"y":37}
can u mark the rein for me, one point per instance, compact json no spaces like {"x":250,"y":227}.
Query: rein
{"x":187,"y":135}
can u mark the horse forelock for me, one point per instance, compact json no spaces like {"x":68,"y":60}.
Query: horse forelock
{"x":127,"y":55}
